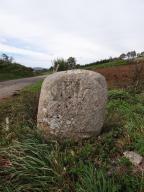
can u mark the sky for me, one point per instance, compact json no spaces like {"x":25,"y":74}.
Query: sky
{"x":35,"y":32}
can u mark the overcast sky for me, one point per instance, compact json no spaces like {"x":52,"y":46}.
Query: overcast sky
{"x":35,"y":32}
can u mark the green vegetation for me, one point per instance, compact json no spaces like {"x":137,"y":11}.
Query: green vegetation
{"x":70,"y":63}
{"x":13,"y":71}
{"x":28,"y":163}
{"x":105,"y":63}
{"x":63,"y":65}
{"x":123,"y":59}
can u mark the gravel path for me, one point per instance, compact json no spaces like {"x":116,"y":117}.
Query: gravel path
{"x":9,"y":88}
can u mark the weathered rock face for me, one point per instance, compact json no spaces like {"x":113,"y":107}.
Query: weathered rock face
{"x":72,"y":104}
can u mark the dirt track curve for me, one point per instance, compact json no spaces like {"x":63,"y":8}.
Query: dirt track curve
{"x":9,"y":88}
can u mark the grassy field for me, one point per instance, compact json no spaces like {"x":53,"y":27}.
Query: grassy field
{"x":10,"y":71}
{"x":29,"y":164}
{"x":104,"y":65}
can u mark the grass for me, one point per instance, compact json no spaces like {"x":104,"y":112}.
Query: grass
{"x":21,"y":113}
{"x":8,"y":76}
{"x":110,"y":63}
{"x":28,"y":163}
{"x":104,"y":65}
{"x":10,"y":71}
{"x":35,"y":88}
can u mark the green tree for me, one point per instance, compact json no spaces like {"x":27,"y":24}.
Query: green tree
{"x":131,"y":54}
{"x":59,"y":65}
{"x":62,"y":65}
{"x":122,"y":56}
{"x":5,"y":57}
{"x":71,"y":62}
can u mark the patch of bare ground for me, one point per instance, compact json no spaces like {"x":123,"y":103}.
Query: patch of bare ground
{"x":121,"y":76}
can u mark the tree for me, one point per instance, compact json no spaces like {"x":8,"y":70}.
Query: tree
{"x":11,"y":59}
{"x":122,"y":56}
{"x":71,"y":62}
{"x":140,"y":54}
{"x":131,"y":54}
{"x":62,"y":65}
{"x":5,"y":57}
{"x":59,"y":65}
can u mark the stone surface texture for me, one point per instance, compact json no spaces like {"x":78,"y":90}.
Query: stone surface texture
{"x":133,"y":157}
{"x":72,"y":104}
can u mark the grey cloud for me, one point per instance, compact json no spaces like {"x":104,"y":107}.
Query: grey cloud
{"x":85,"y":29}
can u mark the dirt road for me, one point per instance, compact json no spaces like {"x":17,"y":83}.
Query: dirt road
{"x":9,"y":88}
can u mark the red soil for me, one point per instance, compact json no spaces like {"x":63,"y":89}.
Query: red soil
{"x":119,"y":76}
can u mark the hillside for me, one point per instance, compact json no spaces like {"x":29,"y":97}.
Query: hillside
{"x":118,"y":72}
{"x":112,"y":62}
{"x":10,"y":70}
{"x":105,"y":63}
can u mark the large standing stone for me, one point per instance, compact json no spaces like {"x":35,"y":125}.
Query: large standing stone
{"x":72,"y":104}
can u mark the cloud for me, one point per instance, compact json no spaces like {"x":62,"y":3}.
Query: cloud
{"x":21,"y":51}
{"x":39,"y":31}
